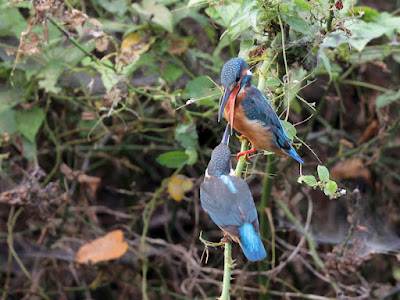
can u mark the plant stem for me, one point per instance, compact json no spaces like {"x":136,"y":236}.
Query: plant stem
{"x":226,"y":283}
{"x":147,"y":213}
{"x":55,"y":142}
{"x":330,"y":18}
{"x":366,"y":85}
{"x":267,"y":185}
{"x":77,"y":45}
{"x":10,"y":241}
{"x":227,"y":271}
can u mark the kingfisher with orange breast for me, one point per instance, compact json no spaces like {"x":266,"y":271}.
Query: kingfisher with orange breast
{"x":249,"y":112}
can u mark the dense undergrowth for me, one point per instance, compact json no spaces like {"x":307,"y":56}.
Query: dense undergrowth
{"x":108,"y":116}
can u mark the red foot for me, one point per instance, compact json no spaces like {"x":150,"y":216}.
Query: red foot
{"x":243,"y":137}
{"x":246,"y":153}
{"x":226,"y":239}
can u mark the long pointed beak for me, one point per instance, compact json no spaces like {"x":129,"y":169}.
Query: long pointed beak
{"x":225,"y":97}
{"x":229,"y":95}
{"x":225,"y":137}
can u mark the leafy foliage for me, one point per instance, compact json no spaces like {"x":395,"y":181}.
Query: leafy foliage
{"x":105,"y":105}
{"x":328,"y":186}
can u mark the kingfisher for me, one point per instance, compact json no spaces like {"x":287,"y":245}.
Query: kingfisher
{"x":248,"y":111}
{"x":228,"y":201}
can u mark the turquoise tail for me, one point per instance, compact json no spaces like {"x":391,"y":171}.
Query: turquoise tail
{"x":251,"y":243}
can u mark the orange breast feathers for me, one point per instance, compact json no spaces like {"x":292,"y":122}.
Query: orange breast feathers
{"x":259,"y":136}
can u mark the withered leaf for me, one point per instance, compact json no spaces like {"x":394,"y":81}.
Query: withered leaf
{"x":110,"y":246}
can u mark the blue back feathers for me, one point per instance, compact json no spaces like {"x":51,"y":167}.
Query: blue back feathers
{"x":252,"y":245}
{"x":257,"y":108}
{"x":229,"y":182}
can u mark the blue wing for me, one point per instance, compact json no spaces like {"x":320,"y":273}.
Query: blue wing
{"x":257,"y":107}
{"x":229,"y":203}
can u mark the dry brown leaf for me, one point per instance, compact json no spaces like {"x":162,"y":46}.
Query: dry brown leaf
{"x":369,"y":132}
{"x":68,"y":172}
{"x":178,"y":47}
{"x":350,"y":169}
{"x":95,"y":22}
{"x":88,"y":115}
{"x":75,"y":18}
{"x":132,"y":46}
{"x":178,"y":186}
{"x":91,"y":181}
{"x":346,"y":143}
{"x":110,"y":246}
{"x":102,"y":43}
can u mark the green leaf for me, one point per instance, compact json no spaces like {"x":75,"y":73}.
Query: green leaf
{"x":289,"y":128}
{"x":330,"y":188}
{"x":200,"y":87}
{"x":298,"y":24}
{"x":211,"y":62}
{"x":273,"y":82}
{"x":326,"y":62}
{"x":370,"y":14}
{"x":158,"y":12}
{"x":49,"y":76}
{"x":266,"y":152}
{"x":108,"y":76}
{"x":387,"y":98}
{"x":192,"y":153}
{"x":11,"y":21}
{"x":172,"y":73}
{"x":396,"y":273}
{"x":390,"y":22}
{"x":116,"y":7}
{"x":223,"y":14}
{"x":173,"y":159}
{"x":10,"y":98}
{"x":71,"y":56}
{"x":196,"y":2}
{"x":144,"y":60}
{"x":29,"y":121}
{"x":244,"y":18}
{"x":7,"y":122}
{"x":303,"y":4}
{"x":29,"y":149}
{"x":323,"y":173}
{"x":245,"y":47}
{"x":186,"y":135}
{"x":363,"y":33}
{"x":307,"y":179}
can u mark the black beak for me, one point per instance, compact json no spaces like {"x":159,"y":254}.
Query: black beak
{"x":225,"y":137}
{"x":227,"y":93}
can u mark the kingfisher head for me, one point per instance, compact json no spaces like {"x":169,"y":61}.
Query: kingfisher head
{"x":220,"y":163}
{"x":235,"y":74}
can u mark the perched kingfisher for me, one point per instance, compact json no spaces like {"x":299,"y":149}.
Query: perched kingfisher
{"x":228,"y":201}
{"x":249,"y":112}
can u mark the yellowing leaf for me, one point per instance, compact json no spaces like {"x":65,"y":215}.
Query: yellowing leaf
{"x":178,"y":186}
{"x":134,"y":43}
{"x":110,"y":246}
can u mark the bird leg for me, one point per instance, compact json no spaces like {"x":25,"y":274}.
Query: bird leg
{"x":246,"y":153}
{"x":226,"y":239}
{"x":252,"y":150}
